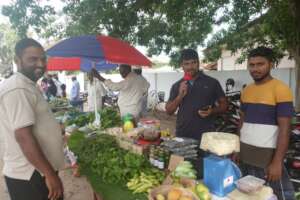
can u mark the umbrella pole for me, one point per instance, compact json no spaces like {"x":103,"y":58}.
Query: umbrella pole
{"x":97,"y":121}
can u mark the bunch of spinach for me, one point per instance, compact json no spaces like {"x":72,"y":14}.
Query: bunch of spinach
{"x":107,"y":160}
{"x":110,"y":118}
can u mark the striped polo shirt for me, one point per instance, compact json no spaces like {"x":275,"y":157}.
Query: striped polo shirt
{"x":262,"y":104}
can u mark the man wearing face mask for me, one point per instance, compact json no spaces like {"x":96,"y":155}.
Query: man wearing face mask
{"x":198,"y":98}
{"x":33,"y":142}
{"x":132,"y":90}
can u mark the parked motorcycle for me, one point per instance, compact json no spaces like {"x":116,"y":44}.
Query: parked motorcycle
{"x":111,"y":99}
{"x":229,"y":121}
{"x":292,"y":160}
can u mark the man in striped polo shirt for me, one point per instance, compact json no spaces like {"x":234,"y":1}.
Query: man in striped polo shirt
{"x":267,"y":108}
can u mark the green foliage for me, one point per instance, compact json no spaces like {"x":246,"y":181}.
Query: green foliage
{"x":75,"y":141}
{"x":171,"y":25}
{"x":8,"y":39}
{"x":110,"y":118}
{"x":159,"y":25}
{"x":28,"y":13}
{"x":111,"y":191}
{"x":80,"y":119}
{"x":274,"y":25}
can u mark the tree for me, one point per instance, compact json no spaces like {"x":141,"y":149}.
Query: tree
{"x":25,"y":14}
{"x":8,"y":38}
{"x":277,"y":25}
{"x":171,"y":25}
{"x":159,"y":25}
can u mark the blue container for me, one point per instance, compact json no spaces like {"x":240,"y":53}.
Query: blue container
{"x":220,"y":175}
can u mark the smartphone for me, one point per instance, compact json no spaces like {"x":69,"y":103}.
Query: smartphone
{"x":205,"y":108}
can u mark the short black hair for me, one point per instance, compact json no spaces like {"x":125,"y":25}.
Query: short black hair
{"x":63,"y":86}
{"x":188,"y":54}
{"x":265,"y":52}
{"x":25,"y":43}
{"x":138,"y":71}
{"x":230,"y":81}
{"x":126,"y":67}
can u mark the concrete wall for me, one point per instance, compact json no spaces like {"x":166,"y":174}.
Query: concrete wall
{"x":164,"y":81}
{"x":228,"y":62}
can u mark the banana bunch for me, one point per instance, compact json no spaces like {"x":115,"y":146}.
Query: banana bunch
{"x":165,"y":133}
{"x":142,"y":183}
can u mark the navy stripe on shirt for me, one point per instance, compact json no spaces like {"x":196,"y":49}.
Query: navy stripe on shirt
{"x":266,"y":114}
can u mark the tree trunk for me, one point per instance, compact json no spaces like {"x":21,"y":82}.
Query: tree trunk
{"x":297,"y":89}
{"x":294,"y":50}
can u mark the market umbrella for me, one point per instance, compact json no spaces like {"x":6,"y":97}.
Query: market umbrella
{"x":99,"y":47}
{"x":77,"y":64}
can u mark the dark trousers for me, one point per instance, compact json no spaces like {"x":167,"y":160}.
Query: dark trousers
{"x":33,"y":189}
{"x":282,"y":188}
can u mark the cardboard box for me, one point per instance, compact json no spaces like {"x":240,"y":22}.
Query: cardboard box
{"x":173,"y":163}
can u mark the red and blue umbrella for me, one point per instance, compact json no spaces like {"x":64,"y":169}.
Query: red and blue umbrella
{"x":99,"y":48}
{"x":77,"y":64}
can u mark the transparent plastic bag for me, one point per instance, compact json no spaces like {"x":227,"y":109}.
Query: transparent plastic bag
{"x":249,"y":184}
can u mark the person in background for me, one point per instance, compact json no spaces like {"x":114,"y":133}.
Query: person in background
{"x":266,"y":112}
{"x":75,"y":94}
{"x":44,"y":87}
{"x":132,"y":89}
{"x":230,"y":83}
{"x":197,"y":96}
{"x":57,"y":84}
{"x":32,"y":136}
{"x":138,"y":71}
{"x":52,"y":89}
{"x":63,"y":90}
{"x":96,"y":91}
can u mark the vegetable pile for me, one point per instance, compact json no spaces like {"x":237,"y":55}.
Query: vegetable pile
{"x":108,"y":161}
{"x":184,"y":170}
{"x":109,"y":118}
{"x":143,"y":182}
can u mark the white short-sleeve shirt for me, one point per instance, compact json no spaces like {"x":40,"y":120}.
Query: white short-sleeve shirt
{"x":22,"y":105}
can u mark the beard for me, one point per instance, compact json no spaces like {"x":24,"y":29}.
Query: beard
{"x":259,"y":79}
{"x":34,"y":73}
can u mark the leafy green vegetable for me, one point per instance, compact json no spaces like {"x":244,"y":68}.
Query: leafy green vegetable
{"x":108,"y":161}
{"x":110,"y":118}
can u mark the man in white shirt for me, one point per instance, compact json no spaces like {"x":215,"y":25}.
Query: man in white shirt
{"x":96,"y":91}
{"x":138,"y":71}
{"x":132,"y":90}
{"x":58,"y":85}
{"x":32,"y":137}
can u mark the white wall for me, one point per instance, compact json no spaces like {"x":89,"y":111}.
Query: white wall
{"x":164,"y":81}
{"x":228,"y":62}
{"x":67,"y":79}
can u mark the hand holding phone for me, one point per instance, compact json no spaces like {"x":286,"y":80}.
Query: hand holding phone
{"x":205,"y":111}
